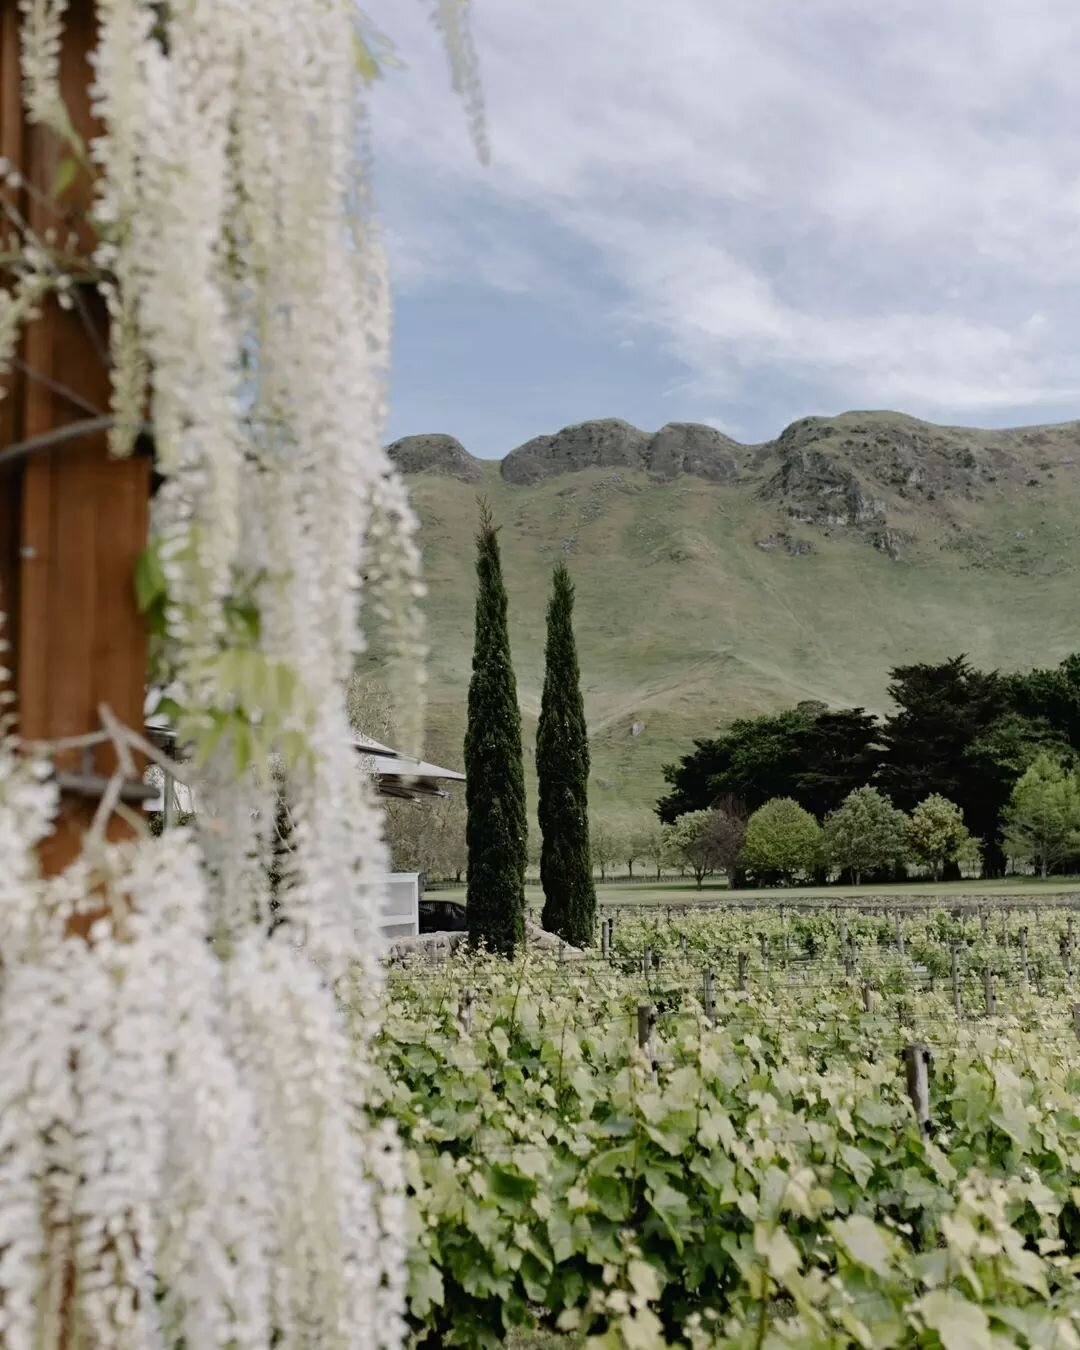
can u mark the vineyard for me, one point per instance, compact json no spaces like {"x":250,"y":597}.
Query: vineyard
{"x":748,"y":1128}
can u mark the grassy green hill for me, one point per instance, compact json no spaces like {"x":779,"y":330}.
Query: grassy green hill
{"x":802,"y":569}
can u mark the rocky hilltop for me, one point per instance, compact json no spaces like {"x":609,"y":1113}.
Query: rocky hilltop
{"x":436,"y":454}
{"x":678,"y":448}
{"x":869,"y":471}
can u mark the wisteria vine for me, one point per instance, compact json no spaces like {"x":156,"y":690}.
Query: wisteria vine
{"x":185,"y":1152}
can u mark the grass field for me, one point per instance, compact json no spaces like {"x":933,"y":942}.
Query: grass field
{"x":679,"y":893}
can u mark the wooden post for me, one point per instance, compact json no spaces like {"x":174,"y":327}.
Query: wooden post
{"x":849,"y":963}
{"x":917,"y":1071}
{"x":843,"y":930}
{"x":465,"y":1008}
{"x":646,"y":962}
{"x":1024,"y":955}
{"x":988,"y":991}
{"x":867,"y":998}
{"x":605,"y":949}
{"x":954,"y":970}
{"x":73,"y":520}
{"x":899,"y":935}
{"x":646,"y":1021}
{"x":765,"y":953}
{"x":168,"y":813}
{"x":1076,"y":1019}
{"x":708,"y":999}
{"x":742,"y":972}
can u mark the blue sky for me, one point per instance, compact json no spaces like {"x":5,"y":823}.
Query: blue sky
{"x":736,"y":212}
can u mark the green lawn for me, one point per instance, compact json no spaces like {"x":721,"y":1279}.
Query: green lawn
{"x":684,"y":892}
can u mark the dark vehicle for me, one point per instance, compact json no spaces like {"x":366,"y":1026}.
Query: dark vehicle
{"x":442,"y":916}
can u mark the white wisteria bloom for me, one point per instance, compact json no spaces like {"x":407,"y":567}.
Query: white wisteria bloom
{"x":186,"y":1153}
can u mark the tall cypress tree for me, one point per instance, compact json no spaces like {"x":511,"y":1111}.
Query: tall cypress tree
{"x":496,"y":828}
{"x":562,"y":763}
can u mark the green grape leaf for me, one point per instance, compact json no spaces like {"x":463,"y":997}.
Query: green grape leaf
{"x":960,"y":1324}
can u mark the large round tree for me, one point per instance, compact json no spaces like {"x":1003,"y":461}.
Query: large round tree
{"x":496,"y":829}
{"x":562,"y":765}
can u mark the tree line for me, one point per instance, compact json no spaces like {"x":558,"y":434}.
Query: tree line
{"x":781,"y":842}
{"x":1002,"y":749}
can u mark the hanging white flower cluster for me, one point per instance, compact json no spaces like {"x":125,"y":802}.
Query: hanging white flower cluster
{"x":185,"y":1152}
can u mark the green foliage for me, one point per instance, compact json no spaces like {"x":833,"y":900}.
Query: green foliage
{"x":944,"y":710}
{"x":808,"y":753}
{"x":428,"y":836}
{"x":605,"y":841}
{"x":255,"y":701}
{"x":753,"y":760}
{"x":937,"y":834}
{"x":1042,"y":821}
{"x":957,"y":731}
{"x":497,"y":825}
{"x":782,"y":839}
{"x":652,"y":843}
{"x":562,"y":767}
{"x":765,"y":1183}
{"x":865,"y":833}
{"x":1051,"y":696}
{"x":1009,"y":745}
{"x":705,"y":842}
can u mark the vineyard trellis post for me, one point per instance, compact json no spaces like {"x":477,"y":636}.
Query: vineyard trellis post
{"x":954,"y":972}
{"x":73,"y":519}
{"x":646,"y":1023}
{"x":849,"y":963}
{"x":917,"y":1059}
{"x":708,"y":997}
{"x":988,"y":991}
{"x":465,"y":1009}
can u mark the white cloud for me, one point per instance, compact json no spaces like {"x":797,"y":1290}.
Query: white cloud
{"x":882,"y":202}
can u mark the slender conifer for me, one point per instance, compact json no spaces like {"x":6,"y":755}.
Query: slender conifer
{"x":562,"y":764}
{"x":497,"y":823}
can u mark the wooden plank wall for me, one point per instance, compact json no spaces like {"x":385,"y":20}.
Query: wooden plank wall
{"x":73,"y":520}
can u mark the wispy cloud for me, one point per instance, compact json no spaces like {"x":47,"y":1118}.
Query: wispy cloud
{"x":878,"y":203}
